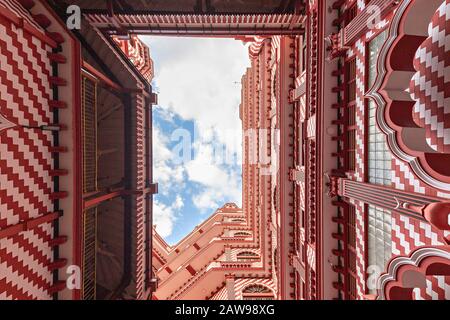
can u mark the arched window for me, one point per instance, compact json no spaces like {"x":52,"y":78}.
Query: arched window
{"x":242,"y":234}
{"x":257,"y":292}
{"x":247,"y":255}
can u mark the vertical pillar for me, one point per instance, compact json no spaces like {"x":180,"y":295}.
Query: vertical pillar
{"x":230,"y":282}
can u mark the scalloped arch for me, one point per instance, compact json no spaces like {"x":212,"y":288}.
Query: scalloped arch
{"x":406,"y":139}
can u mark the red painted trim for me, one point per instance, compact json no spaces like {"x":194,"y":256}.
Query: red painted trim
{"x":59,"y":149}
{"x":26,"y":26}
{"x":75,"y":80}
{"x":56,"y":36}
{"x":306,"y":157}
{"x":144,"y":92}
{"x":28,"y":224}
{"x":58,"y":195}
{"x":366,"y":245}
{"x":101,"y":76}
{"x":191,"y":270}
{"x":97,"y":200}
{"x":229,"y":32}
{"x":33,"y":223}
{"x":282,"y":209}
{"x":42,"y":20}
{"x":58,"y":264}
{"x":366,"y":166}
{"x":57,"y":287}
{"x":57,"y":241}
{"x":77,"y":159}
{"x":157,"y":257}
{"x":58,"y":173}
{"x":27,"y":4}
{"x":11,"y":231}
{"x":319,"y":174}
{"x":11,"y":16}
{"x":57,"y":104}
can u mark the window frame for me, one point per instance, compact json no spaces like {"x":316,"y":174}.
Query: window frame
{"x":366,"y":145}
{"x":350,"y":113}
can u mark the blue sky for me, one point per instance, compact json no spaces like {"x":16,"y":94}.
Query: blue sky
{"x":197,"y":130}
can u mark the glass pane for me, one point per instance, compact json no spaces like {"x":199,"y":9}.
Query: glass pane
{"x":379,"y":237}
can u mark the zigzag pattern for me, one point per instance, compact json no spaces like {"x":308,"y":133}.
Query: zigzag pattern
{"x":24,"y":77}
{"x":430,"y":86}
{"x":404,"y":179}
{"x":25,"y":160}
{"x":408,"y":234}
{"x":358,"y":50}
{"x":438,"y":288}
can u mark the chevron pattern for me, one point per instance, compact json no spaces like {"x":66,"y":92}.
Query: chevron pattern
{"x":26,"y":185}
{"x":437,"y":288}
{"x":408,"y":234}
{"x":404,"y":179}
{"x":430,"y":85}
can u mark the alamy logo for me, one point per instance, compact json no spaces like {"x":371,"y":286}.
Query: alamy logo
{"x":74,"y":277}
{"x":374,"y":272}
{"x":73,"y":21}
{"x":375,"y":16}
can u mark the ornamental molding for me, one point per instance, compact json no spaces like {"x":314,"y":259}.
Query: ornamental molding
{"x":419,"y":261}
{"x":378,"y":94}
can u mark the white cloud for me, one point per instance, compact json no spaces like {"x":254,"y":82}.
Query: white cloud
{"x":213,"y":197}
{"x":179,"y":203}
{"x":165,"y":216}
{"x":165,"y":114}
{"x":200,"y":81}
{"x":206,"y":200}
{"x":220,"y":183}
{"x":166,"y":174}
{"x":203,"y":169}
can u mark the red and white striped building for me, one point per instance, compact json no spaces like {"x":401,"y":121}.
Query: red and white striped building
{"x":75,"y":141}
{"x":346,"y":182}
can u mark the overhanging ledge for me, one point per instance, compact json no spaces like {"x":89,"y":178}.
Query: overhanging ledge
{"x":192,"y":25}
